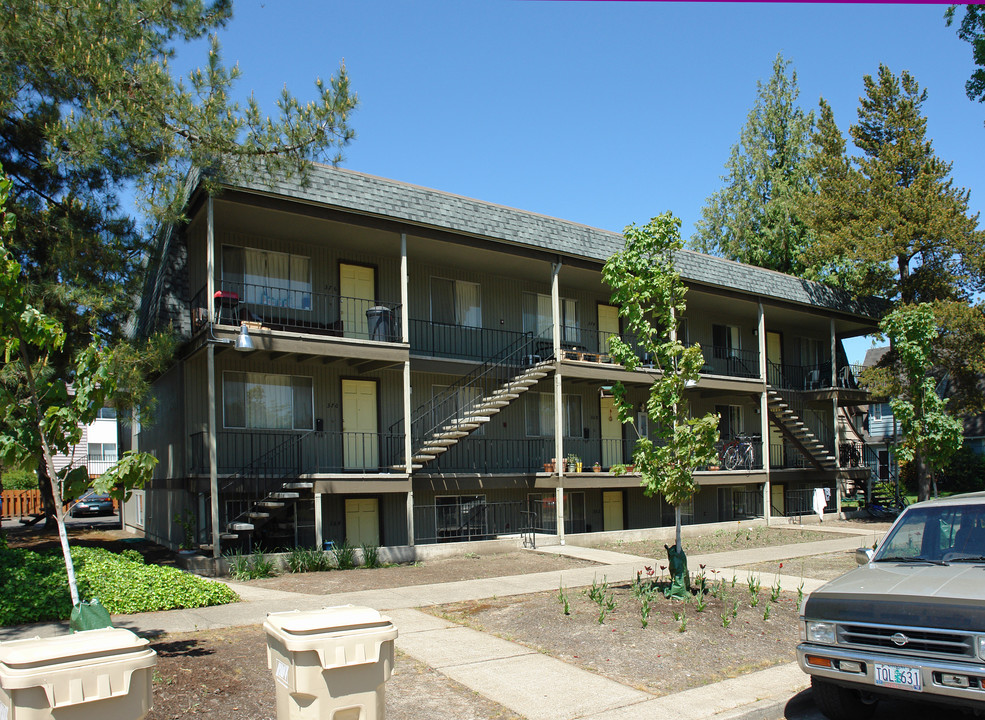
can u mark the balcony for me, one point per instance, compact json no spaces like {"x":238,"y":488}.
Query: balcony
{"x":298,"y":311}
{"x":277,"y":453}
{"x":458,"y":341}
{"x":741,"y":453}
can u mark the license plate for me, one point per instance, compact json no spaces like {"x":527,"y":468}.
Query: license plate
{"x":897,"y":676}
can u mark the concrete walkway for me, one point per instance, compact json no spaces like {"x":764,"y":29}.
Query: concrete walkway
{"x":527,"y":682}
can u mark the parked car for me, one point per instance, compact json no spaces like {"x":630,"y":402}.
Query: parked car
{"x":909,"y":622}
{"x":92,"y":504}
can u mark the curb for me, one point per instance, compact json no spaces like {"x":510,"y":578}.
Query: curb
{"x":772,"y":709}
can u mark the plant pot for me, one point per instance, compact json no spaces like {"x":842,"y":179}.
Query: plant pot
{"x":549,"y":467}
{"x":596,"y":468}
{"x":712,"y":468}
{"x":578,"y":466}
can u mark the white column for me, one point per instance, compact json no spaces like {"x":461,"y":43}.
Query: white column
{"x":210,"y":355}
{"x":764,"y":417}
{"x":405,"y":336}
{"x":319,"y":534}
{"x":558,"y":398}
{"x":834,"y":416}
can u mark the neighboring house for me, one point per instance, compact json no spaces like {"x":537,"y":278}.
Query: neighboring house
{"x":97,"y":449}
{"x":420,"y":360}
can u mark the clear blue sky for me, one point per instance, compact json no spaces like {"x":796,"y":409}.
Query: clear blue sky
{"x":603,"y":113}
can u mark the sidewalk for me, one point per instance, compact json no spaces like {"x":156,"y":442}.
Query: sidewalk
{"x":531,"y":684}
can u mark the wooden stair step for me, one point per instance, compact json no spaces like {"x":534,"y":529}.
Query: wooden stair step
{"x":238,"y":527}
{"x":298,"y":486}
{"x":284,"y":496}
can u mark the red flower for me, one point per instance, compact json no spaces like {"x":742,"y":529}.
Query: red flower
{"x":781,"y":566}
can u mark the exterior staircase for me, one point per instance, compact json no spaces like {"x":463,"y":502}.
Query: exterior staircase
{"x":786,"y":416}
{"x":269,"y":488}
{"x":472,"y":416}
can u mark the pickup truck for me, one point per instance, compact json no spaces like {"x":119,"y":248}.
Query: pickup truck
{"x":909,"y":622}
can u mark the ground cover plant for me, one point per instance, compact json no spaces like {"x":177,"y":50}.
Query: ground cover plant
{"x":35,"y":586}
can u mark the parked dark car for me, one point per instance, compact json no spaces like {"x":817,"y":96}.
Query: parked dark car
{"x":92,"y":504}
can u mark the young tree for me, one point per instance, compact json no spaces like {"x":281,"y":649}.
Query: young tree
{"x":89,"y":109}
{"x":930,"y":436}
{"x":754,"y":218}
{"x":651,"y":297}
{"x":889,"y":222}
{"x":45,"y":417}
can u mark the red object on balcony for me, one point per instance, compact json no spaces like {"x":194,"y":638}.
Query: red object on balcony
{"x":229,"y":301}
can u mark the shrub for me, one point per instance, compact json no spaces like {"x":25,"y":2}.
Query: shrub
{"x":35,"y":587}
{"x":371,"y":556}
{"x":301,"y":560}
{"x":345,"y":556}
{"x":20,"y":479}
{"x":249,"y":567}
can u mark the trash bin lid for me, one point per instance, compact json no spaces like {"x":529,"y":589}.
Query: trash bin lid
{"x":327,"y":620}
{"x":89,"y":644}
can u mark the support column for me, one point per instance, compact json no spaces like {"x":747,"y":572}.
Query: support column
{"x":319,"y":535}
{"x":405,"y":337}
{"x":764,"y":417}
{"x":210,"y":356}
{"x":558,"y":399}
{"x":834,"y":416}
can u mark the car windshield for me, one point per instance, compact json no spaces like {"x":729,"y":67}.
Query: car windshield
{"x":936,"y":534}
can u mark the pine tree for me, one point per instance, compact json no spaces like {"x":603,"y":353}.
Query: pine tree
{"x":89,"y":110}
{"x":754,"y":218}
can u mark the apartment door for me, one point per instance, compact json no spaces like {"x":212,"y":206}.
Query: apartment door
{"x":776,"y":499}
{"x":611,"y":432}
{"x":774,"y":375}
{"x":360,"y":441}
{"x":357,"y":288}
{"x":362,"y":521}
{"x":612,"y":512}
{"x":608,"y":325}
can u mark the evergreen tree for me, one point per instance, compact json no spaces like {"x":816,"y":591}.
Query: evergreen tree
{"x":754,"y":218}
{"x":89,"y":109}
{"x":972,"y":30}
{"x":889,"y":222}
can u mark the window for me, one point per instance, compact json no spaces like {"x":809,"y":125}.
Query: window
{"x":455,"y":302}
{"x":460,"y":517}
{"x":262,"y":277}
{"x":540,"y":415}
{"x":264,"y":401}
{"x":102,"y":452}
{"x":883,"y":465}
{"x":811,"y":352}
{"x":730,"y":421}
{"x":538,"y":317}
{"x":725,"y":340}
{"x":107,"y":413}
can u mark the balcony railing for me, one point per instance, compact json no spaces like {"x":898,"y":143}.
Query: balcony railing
{"x":458,"y":341}
{"x":738,"y":454}
{"x":298,"y":311}
{"x":315,"y":452}
{"x":732,"y":362}
{"x":485,"y":455}
{"x":471,"y":518}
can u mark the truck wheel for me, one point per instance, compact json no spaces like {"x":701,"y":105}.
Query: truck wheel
{"x":840,"y":703}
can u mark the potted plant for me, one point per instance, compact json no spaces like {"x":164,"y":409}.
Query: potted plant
{"x":186,"y":521}
{"x":549,"y":466}
{"x":572,"y":463}
{"x":597,"y":467}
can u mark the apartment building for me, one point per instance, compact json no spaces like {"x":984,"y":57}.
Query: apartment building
{"x":369,"y":361}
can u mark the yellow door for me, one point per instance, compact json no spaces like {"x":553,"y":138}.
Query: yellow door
{"x":360,"y":441}
{"x":611,"y":433}
{"x":608,"y":325}
{"x":776,"y":500}
{"x":362,"y":521}
{"x":357,"y":287}
{"x":612,"y":510}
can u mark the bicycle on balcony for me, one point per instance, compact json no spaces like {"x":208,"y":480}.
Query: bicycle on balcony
{"x":739,"y":453}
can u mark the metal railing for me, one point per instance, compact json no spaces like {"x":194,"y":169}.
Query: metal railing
{"x":731,"y":361}
{"x":746,"y":504}
{"x":468,"y":520}
{"x":798,"y":377}
{"x":486,"y":455}
{"x":301,"y":311}
{"x":458,"y":341}
{"x":265,"y":452}
{"x":801,"y":502}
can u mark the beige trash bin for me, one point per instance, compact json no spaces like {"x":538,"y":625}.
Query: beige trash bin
{"x":331,"y":663}
{"x":91,"y":675}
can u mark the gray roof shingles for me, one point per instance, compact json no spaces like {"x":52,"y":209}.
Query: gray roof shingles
{"x":366,"y":194}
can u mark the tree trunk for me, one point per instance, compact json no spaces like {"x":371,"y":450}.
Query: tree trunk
{"x":677,"y":517}
{"x":47,"y":498}
{"x":923,"y":477}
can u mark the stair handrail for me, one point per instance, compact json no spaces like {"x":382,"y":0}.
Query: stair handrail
{"x":504,"y":357}
{"x":247,"y":470}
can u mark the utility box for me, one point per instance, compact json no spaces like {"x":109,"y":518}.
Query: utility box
{"x":331,"y":663}
{"x":89,"y":675}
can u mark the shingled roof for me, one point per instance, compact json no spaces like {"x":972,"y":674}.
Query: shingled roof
{"x":357,"y":192}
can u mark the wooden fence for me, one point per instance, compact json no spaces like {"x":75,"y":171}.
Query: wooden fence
{"x":22,"y":503}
